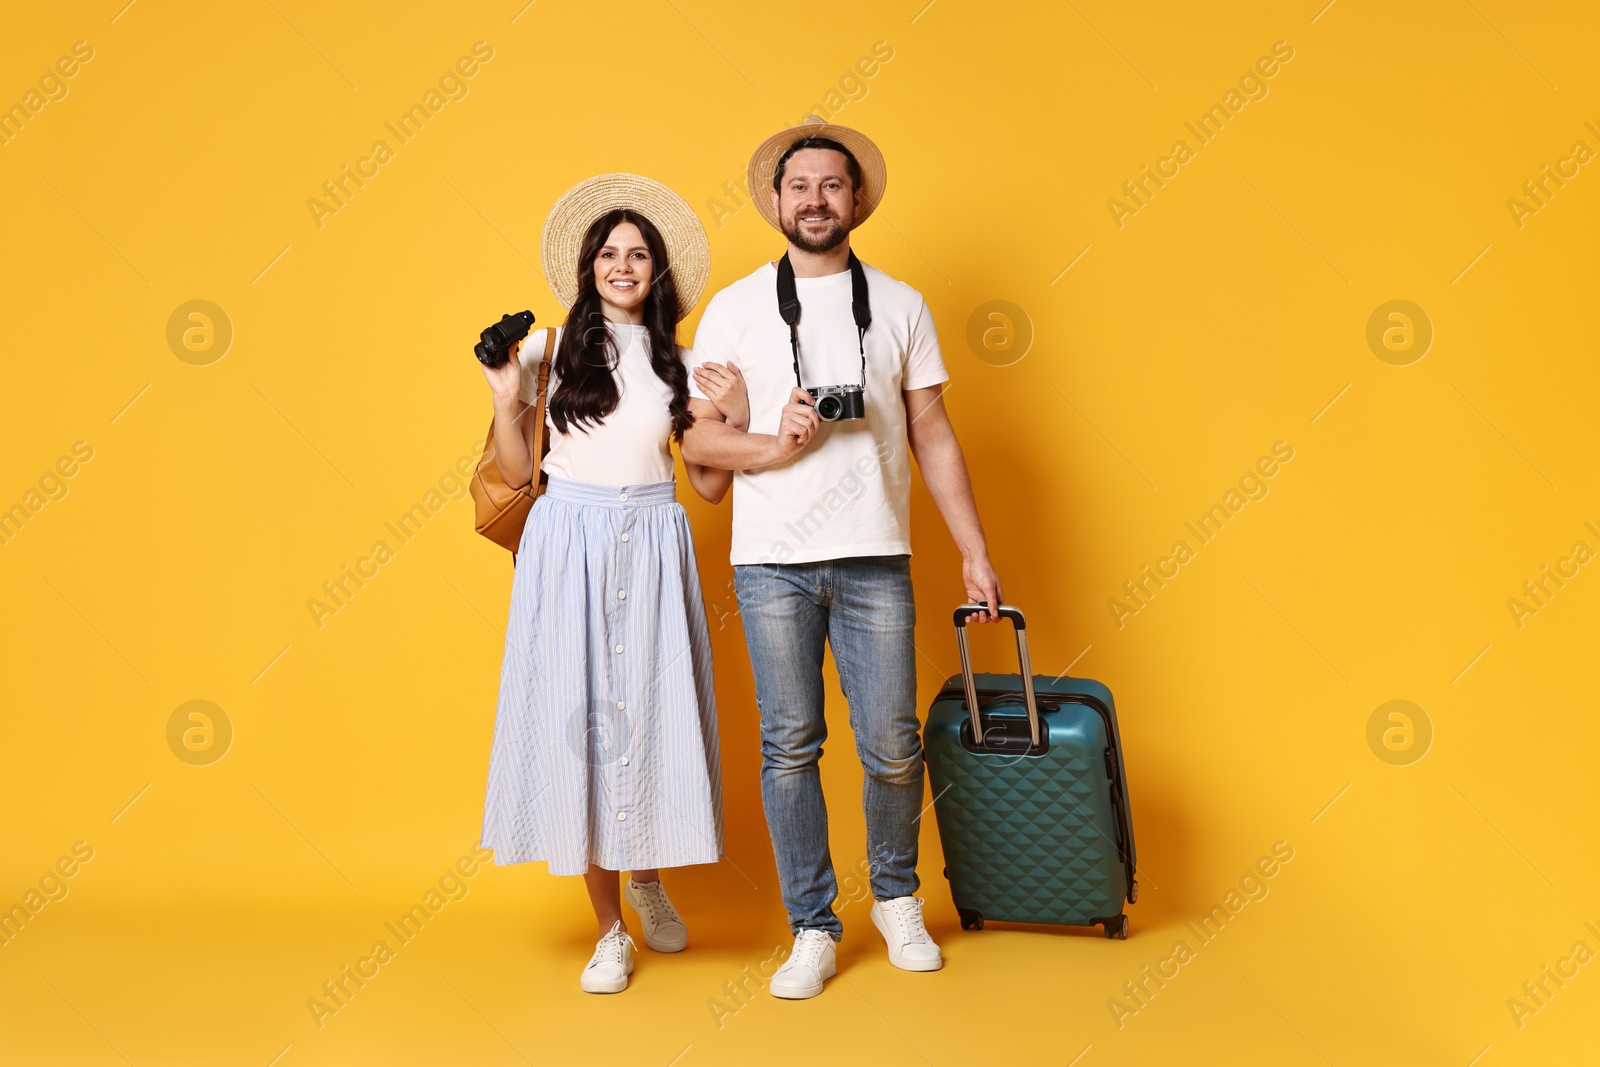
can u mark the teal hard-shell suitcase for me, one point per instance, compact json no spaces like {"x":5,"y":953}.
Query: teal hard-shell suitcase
{"x":1034,"y":815}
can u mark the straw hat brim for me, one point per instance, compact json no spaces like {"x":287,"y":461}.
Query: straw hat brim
{"x":874,"y":172}
{"x":688,"y":250}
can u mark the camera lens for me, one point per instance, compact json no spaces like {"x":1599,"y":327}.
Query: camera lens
{"x":829,"y":408}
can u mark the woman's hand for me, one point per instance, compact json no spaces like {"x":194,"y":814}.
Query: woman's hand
{"x":725,"y":387}
{"x":506,"y":379}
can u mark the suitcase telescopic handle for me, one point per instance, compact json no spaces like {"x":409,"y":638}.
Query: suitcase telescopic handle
{"x":1020,"y":626}
{"x":1006,"y":612}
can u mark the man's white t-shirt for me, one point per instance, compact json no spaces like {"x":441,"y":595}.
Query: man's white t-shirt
{"x":630,"y":446}
{"x":848,"y":492}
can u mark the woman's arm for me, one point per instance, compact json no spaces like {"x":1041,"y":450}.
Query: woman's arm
{"x":708,"y":481}
{"x":513,"y":421}
{"x":726,"y":388}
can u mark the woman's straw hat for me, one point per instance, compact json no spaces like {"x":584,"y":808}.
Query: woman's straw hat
{"x":688,"y":251}
{"x":874,"y":174}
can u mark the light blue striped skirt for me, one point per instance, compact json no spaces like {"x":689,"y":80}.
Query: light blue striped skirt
{"x":605,"y":738}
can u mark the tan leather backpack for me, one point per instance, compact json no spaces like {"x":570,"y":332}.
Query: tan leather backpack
{"x":501,"y":510}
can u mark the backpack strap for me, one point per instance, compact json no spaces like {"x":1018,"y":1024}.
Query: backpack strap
{"x":541,"y":440}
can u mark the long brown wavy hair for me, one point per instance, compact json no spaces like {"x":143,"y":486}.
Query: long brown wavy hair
{"x":586,"y":357}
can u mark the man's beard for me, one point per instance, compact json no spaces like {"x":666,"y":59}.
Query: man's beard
{"x":827,"y":242}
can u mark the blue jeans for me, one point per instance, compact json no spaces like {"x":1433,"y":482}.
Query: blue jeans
{"x":863,"y":607}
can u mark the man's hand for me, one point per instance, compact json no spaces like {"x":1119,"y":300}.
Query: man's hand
{"x":798,"y":424}
{"x":983,"y":587}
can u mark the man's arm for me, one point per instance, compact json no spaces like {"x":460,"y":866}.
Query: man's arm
{"x":711,"y":442}
{"x":944,"y":471}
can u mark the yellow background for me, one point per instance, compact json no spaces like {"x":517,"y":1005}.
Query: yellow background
{"x":1228,"y":314}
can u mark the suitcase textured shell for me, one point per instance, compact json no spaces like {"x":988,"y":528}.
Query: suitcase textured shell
{"x":1032,"y":838}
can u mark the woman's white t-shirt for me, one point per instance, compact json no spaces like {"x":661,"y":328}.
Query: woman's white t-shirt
{"x":631,"y":446}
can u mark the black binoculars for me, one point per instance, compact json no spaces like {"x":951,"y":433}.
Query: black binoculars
{"x":494,"y":344}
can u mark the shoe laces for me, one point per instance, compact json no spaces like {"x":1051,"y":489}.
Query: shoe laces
{"x":907,"y":912}
{"x":609,"y":948}
{"x":656,"y":903}
{"x":808,"y":946}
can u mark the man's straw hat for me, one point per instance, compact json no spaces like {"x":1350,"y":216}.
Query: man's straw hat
{"x":874,"y":174}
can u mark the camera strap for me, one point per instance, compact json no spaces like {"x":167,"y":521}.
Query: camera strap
{"x":789,"y":309}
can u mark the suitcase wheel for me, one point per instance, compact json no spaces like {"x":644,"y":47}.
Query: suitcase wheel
{"x":1133,"y":893}
{"x":970,"y":919}
{"x":1117,"y":928}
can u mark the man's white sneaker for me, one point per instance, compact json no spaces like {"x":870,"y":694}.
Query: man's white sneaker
{"x":810,"y":963}
{"x":900,"y":922}
{"x":659,"y":921}
{"x":612,"y":962}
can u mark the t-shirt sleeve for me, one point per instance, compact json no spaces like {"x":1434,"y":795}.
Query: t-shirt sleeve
{"x":528,"y":355}
{"x":924,"y":364}
{"x":713,"y":343}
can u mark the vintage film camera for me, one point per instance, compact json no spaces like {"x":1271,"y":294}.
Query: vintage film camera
{"x":838,"y":402}
{"x":834,"y":403}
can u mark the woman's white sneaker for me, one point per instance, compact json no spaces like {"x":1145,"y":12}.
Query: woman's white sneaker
{"x":900,"y":922}
{"x":612,"y":962}
{"x":659,"y":921}
{"x":810,"y":963}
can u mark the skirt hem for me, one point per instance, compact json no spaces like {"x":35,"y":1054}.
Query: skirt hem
{"x":668,"y":863}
